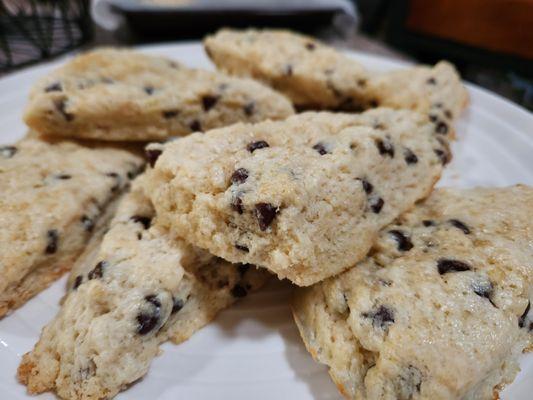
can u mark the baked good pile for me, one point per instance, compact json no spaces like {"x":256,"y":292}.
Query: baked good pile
{"x":169,"y":193}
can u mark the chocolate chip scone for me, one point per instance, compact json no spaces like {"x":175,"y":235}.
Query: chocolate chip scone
{"x":111,"y":94}
{"x":53,"y":197}
{"x":437,"y":92}
{"x":440,"y":308}
{"x":304,"y":197}
{"x":314,"y":75}
{"x":141,"y":287}
{"x":310,"y":73}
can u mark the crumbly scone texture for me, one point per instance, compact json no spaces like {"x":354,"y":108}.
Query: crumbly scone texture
{"x":141,"y":288}
{"x":53,"y":198}
{"x":314,"y":75}
{"x":310,"y":73}
{"x":112,"y":94}
{"x":439,"y":310}
{"x":305,"y":197}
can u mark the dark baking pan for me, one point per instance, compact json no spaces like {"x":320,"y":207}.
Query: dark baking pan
{"x":196,"y":18}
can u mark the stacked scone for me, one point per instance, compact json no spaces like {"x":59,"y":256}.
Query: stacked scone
{"x":401,"y":297}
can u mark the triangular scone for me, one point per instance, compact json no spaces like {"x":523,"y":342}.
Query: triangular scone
{"x":305,"y":197}
{"x":310,"y":73}
{"x":139,"y":289}
{"x":111,"y":94}
{"x":54,"y":196}
{"x":439,"y":310}
{"x":316,"y":76}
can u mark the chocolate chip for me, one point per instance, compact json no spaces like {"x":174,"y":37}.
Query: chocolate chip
{"x":239,"y":176}
{"x":260,"y":144}
{"x":8,"y":151}
{"x":61,"y":105}
{"x":374,"y":103}
{"x":385,"y":147}
{"x":238,"y":291}
{"x":442,"y":155}
{"x":52,"y":238}
{"x":117,"y":179}
{"x":174,"y":65}
{"x":265,"y":214}
{"x":460,"y":225}
{"x":310,"y":46}
{"x":361,"y":82}
{"x":431,"y":81}
{"x":433,"y":118}
{"x":381,"y":318}
{"x":77,"y":282}
{"x":243,"y":269}
{"x":446,"y":265}
{"x":428,"y":222}
{"x":523,"y":317}
{"x":209,"y":101}
{"x":97,"y":271}
{"x":148,"y":320}
{"x":236,"y":203}
{"x":288,"y":70}
{"x":88,"y":223}
{"x":249,"y":108}
{"x":484,"y":289}
{"x":367,"y":186}
{"x":195,"y":126}
{"x":149,"y":90}
{"x":448,"y":114}
{"x":145,"y":221}
{"x":410,"y":157}
{"x":152,"y":155}
{"x":177,"y":305}
{"x":376,"y":204}
{"x":242,"y":248}
{"x":404,"y":242}
{"x":54,"y":87}
{"x":441,"y":128}
{"x":170,"y":114}
{"x":63,"y":177}
{"x":410,"y":381}
{"x":379,"y":126}
{"x":321,"y":148}
{"x":349,"y":104}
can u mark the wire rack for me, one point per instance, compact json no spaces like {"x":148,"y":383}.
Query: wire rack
{"x":33,"y":30}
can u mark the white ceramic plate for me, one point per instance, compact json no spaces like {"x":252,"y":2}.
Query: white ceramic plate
{"x":253,"y":350}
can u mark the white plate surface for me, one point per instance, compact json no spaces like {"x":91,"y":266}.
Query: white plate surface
{"x":253,"y":350}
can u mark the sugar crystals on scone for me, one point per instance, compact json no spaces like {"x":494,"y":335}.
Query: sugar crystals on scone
{"x":304,"y":197}
{"x":316,"y":76}
{"x":54,"y":197}
{"x":440,"y":308}
{"x":139,"y":288}
{"x":111,"y":94}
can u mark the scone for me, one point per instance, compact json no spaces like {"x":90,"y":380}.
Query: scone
{"x":310,"y":73}
{"x":111,"y":94}
{"x":53,"y":197}
{"x":437,"y":92}
{"x":304,"y":197}
{"x":140,"y":288}
{"x":315,"y":76}
{"x":439,"y":310}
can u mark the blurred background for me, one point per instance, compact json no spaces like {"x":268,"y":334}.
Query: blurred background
{"x":490,"y":41}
